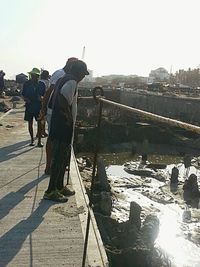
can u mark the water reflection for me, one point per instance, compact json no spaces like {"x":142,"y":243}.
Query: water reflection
{"x":178,"y":238}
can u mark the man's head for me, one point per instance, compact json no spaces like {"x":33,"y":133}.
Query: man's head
{"x":2,"y":74}
{"x":45,"y":75}
{"x":79,"y":70}
{"x":69,"y":63}
{"x":34,"y":74}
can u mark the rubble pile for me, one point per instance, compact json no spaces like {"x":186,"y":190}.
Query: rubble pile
{"x":127,"y":242}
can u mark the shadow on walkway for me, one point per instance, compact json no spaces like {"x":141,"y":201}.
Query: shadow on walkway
{"x":7,"y":152}
{"x":12,"y":241}
{"x":12,"y":199}
{"x":21,"y":175}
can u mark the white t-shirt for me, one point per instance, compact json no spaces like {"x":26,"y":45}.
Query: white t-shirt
{"x":56,"y":76}
{"x":69,"y":91}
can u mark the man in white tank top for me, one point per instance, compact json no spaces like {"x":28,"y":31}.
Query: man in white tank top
{"x":48,"y":111}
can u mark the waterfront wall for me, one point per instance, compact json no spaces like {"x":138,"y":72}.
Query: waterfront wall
{"x":181,"y":108}
{"x":186,"y":109}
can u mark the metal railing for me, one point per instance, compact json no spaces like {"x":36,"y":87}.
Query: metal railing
{"x":100,"y":100}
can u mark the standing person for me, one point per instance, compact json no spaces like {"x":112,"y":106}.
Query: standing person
{"x":32,"y":92}
{"x":64,"y":109}
{"x":46,"y":109}
{"x":44,"y":78}
{"x":2,"y":83}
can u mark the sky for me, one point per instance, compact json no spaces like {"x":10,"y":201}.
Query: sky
{"x":120,"y":36}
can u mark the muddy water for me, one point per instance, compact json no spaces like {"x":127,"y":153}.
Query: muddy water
{"x":178,"y":238}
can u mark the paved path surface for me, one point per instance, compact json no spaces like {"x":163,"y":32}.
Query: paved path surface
{"x":33,"y":232}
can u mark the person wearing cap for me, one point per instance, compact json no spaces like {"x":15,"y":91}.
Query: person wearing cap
{"x":54,"y":78}
{"x":32,"y":92}
{"x":64,"y":109}
{"x":46,"y":108}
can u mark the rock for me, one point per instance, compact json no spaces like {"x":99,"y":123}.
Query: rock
{"x":106,"y":203}
{"x":102,"y":176}
{"x":150,"y":229}
{"x":174,"y":175}
{"x":187,"y":161}
{"x":15,"y":98}
{"x":4,"y":107}
{"x":191,"y":193}
{"x":134,"y":215}
{"x":140,"y":172}
{"x":9,"y":126}
{"x":186,"y":215}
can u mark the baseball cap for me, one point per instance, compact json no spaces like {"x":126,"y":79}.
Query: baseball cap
{"x":72,"y":59}
{"x":79,"y":67}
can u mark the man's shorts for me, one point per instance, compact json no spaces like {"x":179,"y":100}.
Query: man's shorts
{"x":30,"y":115}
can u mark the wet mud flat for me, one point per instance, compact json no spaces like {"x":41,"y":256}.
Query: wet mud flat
{"x":144,"y":219}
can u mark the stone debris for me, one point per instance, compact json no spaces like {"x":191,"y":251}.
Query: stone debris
{"x":9,"y":126}
{"x":15,"y":99}
{"x":4,"y":107}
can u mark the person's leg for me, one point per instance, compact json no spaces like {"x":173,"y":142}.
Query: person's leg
{"x":56,"y":165}
{"x":66,"y":151}
{"x":44,"y":134}
{"x":64,"y":190}
{"x":30,"y":129}
{"x":39,"y":127}
{"x":48,"y":156}
{"x":52,"y":193}
{"x":28,"y":116}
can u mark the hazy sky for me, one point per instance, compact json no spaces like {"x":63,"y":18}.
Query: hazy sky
{"x":120,"y":36}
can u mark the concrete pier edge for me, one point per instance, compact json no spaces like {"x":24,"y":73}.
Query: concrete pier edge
{"x":96,"y":257}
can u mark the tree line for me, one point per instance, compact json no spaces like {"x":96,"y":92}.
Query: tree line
{"x":190,"y":77}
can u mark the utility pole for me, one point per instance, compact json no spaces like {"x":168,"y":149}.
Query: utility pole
{"x":83,"y":54}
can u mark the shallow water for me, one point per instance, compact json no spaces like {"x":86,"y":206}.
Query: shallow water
{"x":179,"y":240}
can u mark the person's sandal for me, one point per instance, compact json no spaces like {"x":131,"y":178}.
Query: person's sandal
{"x":55,"y":196}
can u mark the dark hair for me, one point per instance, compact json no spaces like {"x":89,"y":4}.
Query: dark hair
{"x":44,"y":75}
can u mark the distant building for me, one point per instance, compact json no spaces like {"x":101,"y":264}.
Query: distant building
{"x":159,"y":74}
{"x":21,"y":78}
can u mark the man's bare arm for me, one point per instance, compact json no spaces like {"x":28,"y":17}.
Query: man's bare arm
{"x":46,"y":99}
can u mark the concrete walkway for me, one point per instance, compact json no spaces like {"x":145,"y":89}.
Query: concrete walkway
{"x":35,"y":232}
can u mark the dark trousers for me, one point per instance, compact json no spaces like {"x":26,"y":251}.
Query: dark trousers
{"x":61,"y":152}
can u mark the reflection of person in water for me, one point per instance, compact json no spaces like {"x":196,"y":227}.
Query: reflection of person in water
{"x":191,"y":192}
